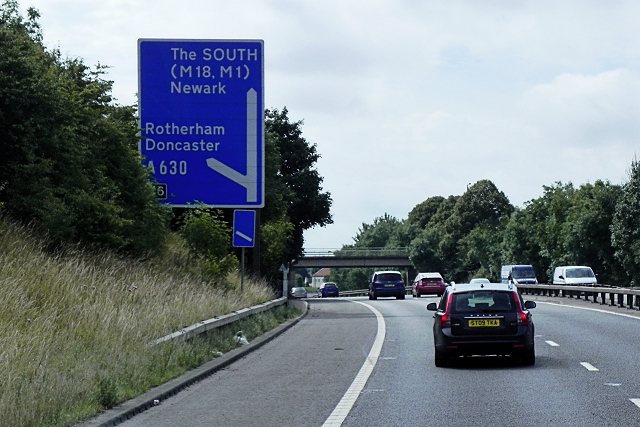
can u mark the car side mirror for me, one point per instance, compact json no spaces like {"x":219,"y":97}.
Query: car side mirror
{"x":529,"y":304}
{"x":561,"y":277}
{"x":432,"y":306}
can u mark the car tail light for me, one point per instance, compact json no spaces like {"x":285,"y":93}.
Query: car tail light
{"x":445,"y":319}
{"x":523,"y":318}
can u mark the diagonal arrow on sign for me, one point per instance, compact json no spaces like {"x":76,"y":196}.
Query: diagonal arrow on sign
{"x":250,"y":180}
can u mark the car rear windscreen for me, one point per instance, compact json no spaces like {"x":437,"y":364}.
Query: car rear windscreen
{"x":482,"y":301}
{"x":389,"y":277}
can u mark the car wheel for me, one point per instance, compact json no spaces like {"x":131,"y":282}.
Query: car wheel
{"x":529,"y":359}
{"x":374,"y":296}
{"x":440,"y":360}
{"x":417,"y":295}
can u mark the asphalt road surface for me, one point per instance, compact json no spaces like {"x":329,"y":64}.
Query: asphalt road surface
{"x":586,"y":373}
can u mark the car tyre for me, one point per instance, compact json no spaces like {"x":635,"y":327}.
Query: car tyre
{"x":440,"y":360}
{"x":373,"y":295}
{"x":400,"y":296}
{"x":529,"y":359}
{"x":416,"y":295}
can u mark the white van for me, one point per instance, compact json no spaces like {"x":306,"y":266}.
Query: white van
{"x":578,"y":275}
{"x":516,"y":274}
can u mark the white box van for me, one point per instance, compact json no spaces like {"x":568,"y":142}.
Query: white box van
{"x":578,"y":275}
{"x":515,"y":274}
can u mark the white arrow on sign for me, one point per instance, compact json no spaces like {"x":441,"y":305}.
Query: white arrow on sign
{"x":250,"y":180}
{"x":244,"y":236}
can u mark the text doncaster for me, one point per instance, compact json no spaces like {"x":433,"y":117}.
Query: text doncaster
{"x":202,"y":145}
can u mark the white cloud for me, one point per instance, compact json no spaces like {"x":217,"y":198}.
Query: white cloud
{"x":585,"y":110}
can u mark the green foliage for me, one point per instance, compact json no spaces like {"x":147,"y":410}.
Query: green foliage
{"x":70,"y":160}
{"x":106,"y":391}
{"x":565,"y":226}
{"x":351,"y":279}
{"x":422,"y":213}
{"x":461,"y":234}
{"x":275,"y":237}
{"x":626,"y":226}
{"x":208,"y":238}
{"x":379,"y":234}
{"x":296,"y":184}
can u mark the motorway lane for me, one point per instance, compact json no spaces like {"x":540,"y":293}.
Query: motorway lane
{"x":408,"y":390}
{"x":299,"y":378}
{"x":295,"y":380}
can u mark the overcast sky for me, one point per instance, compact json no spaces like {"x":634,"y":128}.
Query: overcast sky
{"x":409,"y":99}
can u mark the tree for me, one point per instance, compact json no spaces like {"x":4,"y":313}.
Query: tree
{"x":378,"y":234}
{"x":626,"y":225}
{"x":588,"y":233}
{"x":70,"y":160}
{"x":297,"y":183}
{"x":565,"y":226}
{"x":472,"y":233}
{"x":422,"y":213}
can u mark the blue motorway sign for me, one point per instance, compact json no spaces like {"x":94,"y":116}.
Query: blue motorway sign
{"x":244,"y":228}
{"x":202,"y":120}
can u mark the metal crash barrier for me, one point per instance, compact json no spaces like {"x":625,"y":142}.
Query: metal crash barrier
{"x":604,"y":295}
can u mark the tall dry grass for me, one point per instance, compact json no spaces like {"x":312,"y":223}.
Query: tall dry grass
{"x":74,"y":328}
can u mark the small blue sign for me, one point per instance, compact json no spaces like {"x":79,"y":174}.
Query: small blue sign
{"x":244,"y":228}
{"x":201,"y":109}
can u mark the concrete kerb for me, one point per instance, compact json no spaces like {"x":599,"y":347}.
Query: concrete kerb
{"x":121,"y":413}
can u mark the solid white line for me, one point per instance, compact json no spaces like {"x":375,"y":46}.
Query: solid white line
{"x":591,"y":309}
{"x":343,"y":408}
{"x":552,"y":344}
{"x":589,"y":366}
{"x":636,"y":402}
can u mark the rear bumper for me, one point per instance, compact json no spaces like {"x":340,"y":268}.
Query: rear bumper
{"x":515,"y":345}
{"x":389,"y":292}
{"x":429,"y":290}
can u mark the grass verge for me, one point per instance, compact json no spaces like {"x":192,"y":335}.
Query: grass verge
{"x":74,"y":328}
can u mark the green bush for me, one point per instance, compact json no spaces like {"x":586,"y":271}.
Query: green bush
{"x":208,"y":238}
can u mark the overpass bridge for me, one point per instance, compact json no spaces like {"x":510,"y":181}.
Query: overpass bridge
{"x":354,"y":257}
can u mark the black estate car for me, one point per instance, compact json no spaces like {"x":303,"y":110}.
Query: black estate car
{"x":482,"y":319}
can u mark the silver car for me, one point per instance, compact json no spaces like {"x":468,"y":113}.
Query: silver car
{"x":298,"y":292}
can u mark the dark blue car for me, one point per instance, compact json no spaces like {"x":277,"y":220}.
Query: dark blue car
{"x":387,"y":284}
{"x":328,"y":289}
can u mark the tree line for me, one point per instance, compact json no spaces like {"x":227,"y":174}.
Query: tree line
{"x":474,"y":234}
{"x":70,"y":165}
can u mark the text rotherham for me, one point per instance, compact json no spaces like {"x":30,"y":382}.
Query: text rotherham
{"x":151,"y":144}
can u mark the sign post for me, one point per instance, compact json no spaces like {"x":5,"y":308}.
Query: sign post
{"x":244,"y":231}
{"x":201,"y":109}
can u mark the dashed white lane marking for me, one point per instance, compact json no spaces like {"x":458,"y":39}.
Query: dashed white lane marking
{"x":343,"y":408}
{"x":589,"y":366}
{"x":636,"y":402}
{"x":552,"y":344}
